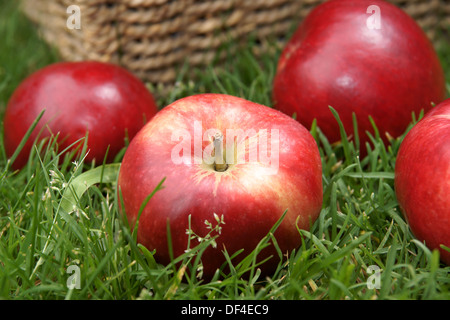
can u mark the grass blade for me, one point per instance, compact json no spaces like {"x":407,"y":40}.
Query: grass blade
{"x":24,"y":140}
{"x":79,"y":185}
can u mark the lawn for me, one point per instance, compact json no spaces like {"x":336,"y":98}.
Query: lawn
{"x":360,"y":248}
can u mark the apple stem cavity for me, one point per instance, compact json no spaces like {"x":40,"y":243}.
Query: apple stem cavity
{"x":219,"y":159}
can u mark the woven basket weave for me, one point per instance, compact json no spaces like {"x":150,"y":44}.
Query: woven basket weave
{"x":152,"y":38}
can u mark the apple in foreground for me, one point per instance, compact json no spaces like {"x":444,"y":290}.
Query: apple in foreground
{"x":422,"y":179}
{"x":363,"y":57}
{"x":222,"y":156}
{"x":102,"y":99}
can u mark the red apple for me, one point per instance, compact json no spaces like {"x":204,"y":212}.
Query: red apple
{"x":102,"y":99}
{"x":221,"y":156}
{"x":363,"y":57}
{"x":422,"y":179}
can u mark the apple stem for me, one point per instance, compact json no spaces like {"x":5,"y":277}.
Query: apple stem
{"x":219,"y":163}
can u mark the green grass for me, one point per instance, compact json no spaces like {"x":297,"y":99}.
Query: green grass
{"x":21,"y":51}
{"x":59,"y":219}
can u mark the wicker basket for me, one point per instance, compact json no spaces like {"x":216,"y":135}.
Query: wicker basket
{"x":152,"y":38}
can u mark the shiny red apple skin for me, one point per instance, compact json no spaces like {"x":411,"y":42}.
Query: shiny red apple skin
{"x":422,"y":179}
{"x":101,"y":98}
{"x":334,"y":59}
{"x":250,"y":203}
